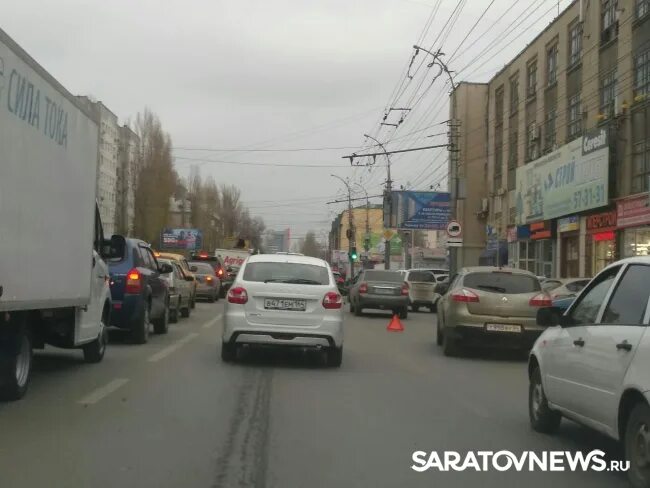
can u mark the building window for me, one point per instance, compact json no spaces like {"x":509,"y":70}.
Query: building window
{"x":642,"y":8}
{"x":551,"y":65}
{"x":609,"y":22}
{"x":513,"y":151}
{"x":642,"y":74}
{"x":531,"y":80}
{"x":574,"y":117}
{"x":532,"y":142}
{"x":608,"y":93}
{"x":498,"y":139}
{"x":640,"y":149}
{"x":550,"y":136}
{"x":514,"y":94}
{"x":575,"y":43}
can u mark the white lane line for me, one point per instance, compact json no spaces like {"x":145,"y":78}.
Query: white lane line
{"x":209,"y":324}
{"x":162,"y":354}
{"x":103,"y":392}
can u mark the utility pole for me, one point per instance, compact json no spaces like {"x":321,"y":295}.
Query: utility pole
{"x":387,"y":199}
{"x":351,"y":231}
{"x":366,"y":240}
{"x":454,"y":160}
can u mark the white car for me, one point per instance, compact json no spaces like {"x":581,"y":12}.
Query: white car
{"x":594,"y":366}
{"x":284,"y":300}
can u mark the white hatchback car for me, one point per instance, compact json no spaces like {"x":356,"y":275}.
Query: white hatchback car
{"x":594,"y":366}
{"x":284,"y":300}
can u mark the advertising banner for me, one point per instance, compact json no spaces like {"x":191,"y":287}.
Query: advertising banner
{"x":572,"y":179}
{"x":423,"y":210}
{"x":190,"y":239}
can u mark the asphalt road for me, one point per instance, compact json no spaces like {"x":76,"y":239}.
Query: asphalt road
{"x":170,"y":414}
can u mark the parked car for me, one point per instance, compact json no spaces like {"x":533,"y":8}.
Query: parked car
{"x":340,"y":283}
{"x":591,"y":364}
{"x":421,"y":285}
{"x":208,"y":284}
{"x":284,"y":300}
{"x":564,"y":287}
{"x":180,"y":290}
{"x":487,"y":306}
{"x":185,"y":267}
{"x":139,"y":291}
{"x":385,"y":290}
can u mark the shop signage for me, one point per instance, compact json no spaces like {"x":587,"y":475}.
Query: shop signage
{"x":633,"y":211}
{"x":601,"y":222}
{"x":568,"y":224}
{"x":523,"y":232}
{"x":541,"y":230}
{"x":572,"y":179}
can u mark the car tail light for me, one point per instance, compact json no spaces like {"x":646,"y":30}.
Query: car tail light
{"x":332,"y":300}
{"x":133,"y":281}
{"x":237,"y":295}
{"x":405,"y":288}
{"x":541,"y":300}
{"x":220,"y":272}
{"x":464,"y":295}
{"x":209,"y":279}
{"x":363,"y":288}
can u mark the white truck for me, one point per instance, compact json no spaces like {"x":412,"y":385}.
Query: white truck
{"x":54,"y":285}
{"x":231,"y":260}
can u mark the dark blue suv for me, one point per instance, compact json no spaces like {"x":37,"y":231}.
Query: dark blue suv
{"x":140,"y":295}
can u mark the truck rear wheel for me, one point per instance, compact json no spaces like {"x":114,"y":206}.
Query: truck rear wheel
{"x":15,"y":360}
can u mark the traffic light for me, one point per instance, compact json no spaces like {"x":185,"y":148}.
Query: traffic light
{"x":353,"y":254}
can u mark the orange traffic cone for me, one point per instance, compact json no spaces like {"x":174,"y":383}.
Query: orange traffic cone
{"x":395,"y":325}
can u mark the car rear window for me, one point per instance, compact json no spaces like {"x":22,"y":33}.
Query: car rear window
{"x":422,"y":276}
{"x":300,"y":273}
{"x":498,"y":282}
{"x":390,"y":276}
{"x":202,"y":268}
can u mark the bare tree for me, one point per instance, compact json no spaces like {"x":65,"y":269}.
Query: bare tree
{"x":310,"y":246}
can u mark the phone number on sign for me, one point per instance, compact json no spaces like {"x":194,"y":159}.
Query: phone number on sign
{"x":589,"y":197}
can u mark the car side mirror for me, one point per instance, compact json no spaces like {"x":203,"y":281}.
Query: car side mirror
{"x":550,"y":317}
{"x":165,"y":268}
{"x":441,"y":288}
{"x":194,"y":269}
{"x":113,"y":248}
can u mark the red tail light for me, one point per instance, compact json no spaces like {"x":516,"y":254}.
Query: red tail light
{"x":237,"y":295}
{"x":363,"y":288}
{"x":405,"y":288}
{"x":220,"y":272}
{"x":133,"y":281}
{"x":541,"y":300}
{"x":464,"y":295}
{"x":332,"y":300}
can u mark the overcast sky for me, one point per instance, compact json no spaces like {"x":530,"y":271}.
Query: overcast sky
{"x":277,"y":74}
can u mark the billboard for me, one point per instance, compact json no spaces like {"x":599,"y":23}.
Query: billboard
{"x":572,"y":179}
{"x":190,"y":239}
{"x":417,"y":210}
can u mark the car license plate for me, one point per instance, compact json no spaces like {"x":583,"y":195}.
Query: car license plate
{"x":503,"y":328}
{"x":383,"y":291}
{"x":285,"y":304}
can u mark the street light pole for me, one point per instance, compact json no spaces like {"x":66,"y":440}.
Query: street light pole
{"x":351,"y":233}
{"x":366,"y":240}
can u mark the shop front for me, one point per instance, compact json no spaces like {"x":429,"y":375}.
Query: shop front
{"x":568,"y":229}
{"x":600,"y":243}
{"x":633,"y":222}
{"x":534,"y":249}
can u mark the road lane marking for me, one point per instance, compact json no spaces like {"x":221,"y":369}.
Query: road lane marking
{"x":162,"y":354}
{"x":103,"y":392}
{"x":209,"y":324}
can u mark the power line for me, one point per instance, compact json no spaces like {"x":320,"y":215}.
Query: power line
{"x":246,"y":163}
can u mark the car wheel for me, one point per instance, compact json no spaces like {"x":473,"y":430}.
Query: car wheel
{"x":542,"y":418}
{"x":637,"y":446}
{"x":433,"y":309}
{"x":335,"y":357}
{"x":161,"y":325}
{"x":404,"y":313}
{"x":228,"y":352}
{"x":438,"y":333}
{"x":415,"y":308}
{"x":140,"y":331}
{"x":216,"y":295}
{"x":450,"y":347}
{"x":185,"y":311}
{"x":173,"y":314}
{"x":94,"y":351}
{"x":193,"y":301}
{"x":15,"y":361}
{"x":211,"y":299}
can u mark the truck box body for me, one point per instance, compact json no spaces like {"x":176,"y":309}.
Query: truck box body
{"x":48,"y":165}
{"x":232,"y":257}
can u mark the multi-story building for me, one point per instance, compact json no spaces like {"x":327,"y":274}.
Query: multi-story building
{"x":107,"y":163}
{"x":127,"y":177}
{"x":568,"y":142}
